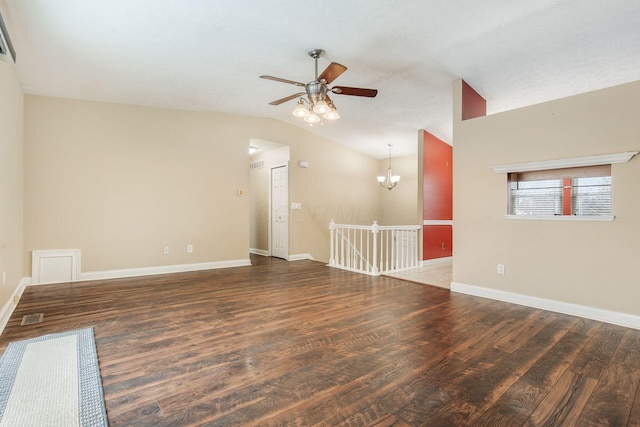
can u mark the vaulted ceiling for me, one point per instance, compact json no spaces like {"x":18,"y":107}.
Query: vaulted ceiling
{"x":206,"y":55}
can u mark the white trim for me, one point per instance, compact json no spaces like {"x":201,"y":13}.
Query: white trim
{"x":300,"y":257}
{"x":38,"y":255}
{"x":604,"y":159}
{"x":7,"y":309}
{"x":437,"y":222}
{"x":164,"y":269}
{"x":260,"y":252}
{"x":436,"y":261}
{"x":622,"y":319}
{"x":606,"y":218}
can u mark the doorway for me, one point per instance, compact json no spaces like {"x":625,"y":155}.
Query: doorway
{"x":265,"y":156}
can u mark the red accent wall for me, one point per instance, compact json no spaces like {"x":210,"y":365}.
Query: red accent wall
{"x":438,"y":179}
{"x":473,"y":105}
{"x":437,"y":197}
{"x":437,"y":241}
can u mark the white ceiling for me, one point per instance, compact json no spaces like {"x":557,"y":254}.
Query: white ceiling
{"x":206,"y":55}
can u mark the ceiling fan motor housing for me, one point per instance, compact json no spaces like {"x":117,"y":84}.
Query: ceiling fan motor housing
{"x":316,"y":91}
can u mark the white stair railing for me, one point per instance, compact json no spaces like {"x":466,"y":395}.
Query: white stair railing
{"x":373,"y":249}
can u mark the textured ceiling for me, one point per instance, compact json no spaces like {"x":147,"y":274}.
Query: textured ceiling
{"x":207,"y":56}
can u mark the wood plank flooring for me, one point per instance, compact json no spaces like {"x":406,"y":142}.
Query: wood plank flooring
{"x":299,"y":343}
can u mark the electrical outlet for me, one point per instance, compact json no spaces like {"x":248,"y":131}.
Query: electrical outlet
{"x":189,"y":249}
{"x":500,"y":268}
{"x":166,"y":250}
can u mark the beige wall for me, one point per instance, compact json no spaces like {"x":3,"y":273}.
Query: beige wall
{"x":586,"y":263}
{"x":337,"y":185}
{"x":399,"y":206}
{"x":11,"y":182}
{"x":121,"y":182}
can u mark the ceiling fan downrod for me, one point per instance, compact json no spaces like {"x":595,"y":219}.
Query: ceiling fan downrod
{"x":315,"y":54}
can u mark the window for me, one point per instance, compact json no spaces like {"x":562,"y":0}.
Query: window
{"x":581,"y":191}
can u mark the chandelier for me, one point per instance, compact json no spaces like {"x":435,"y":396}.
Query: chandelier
{"x":391,"y":180}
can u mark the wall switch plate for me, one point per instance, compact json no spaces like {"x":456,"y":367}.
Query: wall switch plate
{"x":240,"y":192}
{"x":500,"y":268}
{"x":166,"y":250}
{"x":189,"y":249}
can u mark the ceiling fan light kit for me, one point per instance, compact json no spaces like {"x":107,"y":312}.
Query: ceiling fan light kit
{"x":300,"y":110}
{"x":317,"y":104}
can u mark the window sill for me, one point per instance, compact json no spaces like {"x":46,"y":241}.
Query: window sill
{"x":607,"y":218}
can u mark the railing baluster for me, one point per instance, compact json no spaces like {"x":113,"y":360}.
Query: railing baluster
{"x":374,"y":230}
{"x":368,"y":250}
{"x":388,"y":250}
{"x":353,"y":251}
{"x":349,"y":250}
{"x":342,"y":262}
{"x":381,"y":268}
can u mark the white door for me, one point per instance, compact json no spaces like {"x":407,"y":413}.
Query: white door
{"x":280,"y":212}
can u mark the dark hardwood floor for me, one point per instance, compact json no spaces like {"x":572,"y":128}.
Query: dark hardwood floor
{"x":299,"y":343}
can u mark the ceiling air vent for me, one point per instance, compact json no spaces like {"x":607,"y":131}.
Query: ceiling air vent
{"x":7,"y":53}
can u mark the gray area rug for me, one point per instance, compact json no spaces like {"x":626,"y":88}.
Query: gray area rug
{"x":52,"y":380}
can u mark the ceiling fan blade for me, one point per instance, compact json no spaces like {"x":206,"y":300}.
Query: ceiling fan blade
{"x":332,"y":72}
{"x":278,"y":79}
{"x":355,"y":91}
{"x":288,"y":98}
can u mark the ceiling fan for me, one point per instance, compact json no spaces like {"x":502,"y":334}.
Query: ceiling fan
{"x":317,"y":92}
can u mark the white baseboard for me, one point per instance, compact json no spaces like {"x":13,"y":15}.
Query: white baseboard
{"x":593,"y":313}
{"x":260,"y":252}
{"x":436,"y":261}
{"x":165,"y":269}
{"x":299,"y":257}
{"x":7,"y":309}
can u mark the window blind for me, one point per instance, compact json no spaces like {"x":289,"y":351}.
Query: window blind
{"x":591,"y":196}
{"x":536,"y":197}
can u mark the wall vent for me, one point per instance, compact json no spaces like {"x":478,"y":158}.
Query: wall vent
{"x":7,"y":53}
{"x":258,"y":164}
